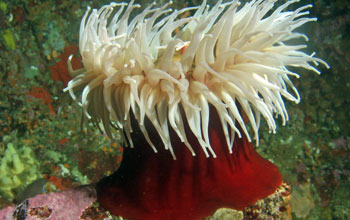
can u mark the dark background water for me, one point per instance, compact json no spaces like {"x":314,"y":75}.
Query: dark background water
{"x":43,"y":124}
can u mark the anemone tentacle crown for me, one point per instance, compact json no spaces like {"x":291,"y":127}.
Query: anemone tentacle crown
{"x":171,"y":68}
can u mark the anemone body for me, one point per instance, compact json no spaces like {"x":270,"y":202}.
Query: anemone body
{"x":150,"y":186}
{"x":162,"y":78}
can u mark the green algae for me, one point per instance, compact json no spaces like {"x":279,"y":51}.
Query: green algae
{"x":18,"y":168}
{"x":9,"y":39}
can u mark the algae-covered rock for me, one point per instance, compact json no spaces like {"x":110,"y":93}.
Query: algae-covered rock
{"x":226,"y":214}
{"x":18,"y":167}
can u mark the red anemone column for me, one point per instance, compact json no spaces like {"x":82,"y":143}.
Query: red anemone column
{"x":153,"y":186}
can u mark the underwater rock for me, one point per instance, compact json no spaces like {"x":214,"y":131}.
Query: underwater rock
{"x":68,"y":204}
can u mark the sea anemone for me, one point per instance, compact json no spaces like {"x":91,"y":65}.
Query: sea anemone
{"x":189,"y":87}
